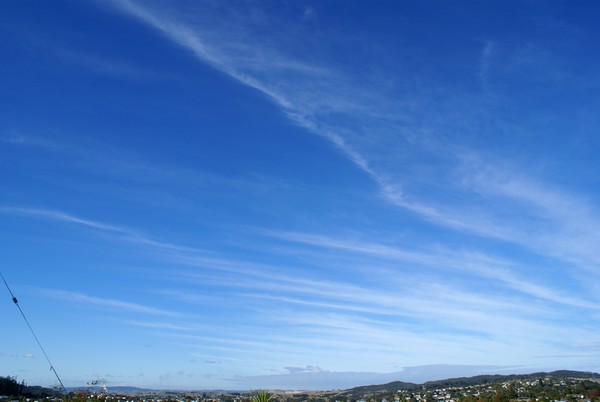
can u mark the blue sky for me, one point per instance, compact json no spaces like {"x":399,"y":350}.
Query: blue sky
{"x":256,"y":194}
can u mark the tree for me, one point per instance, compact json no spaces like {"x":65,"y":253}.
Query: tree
{"x":262,"y":396}
{"x":10,"y":387}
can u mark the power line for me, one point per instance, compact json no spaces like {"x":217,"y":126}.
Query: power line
{"x":14,"y":299}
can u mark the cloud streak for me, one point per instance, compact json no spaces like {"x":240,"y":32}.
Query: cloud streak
{"x":270,"y":71}
{"x":113,"y":304}
{"x":451,"y":306}
{"x":123,"y":233}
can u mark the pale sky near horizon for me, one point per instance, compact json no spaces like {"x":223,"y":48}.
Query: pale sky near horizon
{"x":299,"y":194}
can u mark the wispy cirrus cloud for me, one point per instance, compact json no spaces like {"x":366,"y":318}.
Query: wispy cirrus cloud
{"x":421,"y":295}
{"x":344,"y":296}
{"x":163,"y":325}
{"x":123,"y":233}
{"x":112,"y":304}
{"x":361,"y":133}
{"x":63,"y":217}
{"x":476,"y":263}
{"x":26,"y":141}
{"x":338,"y":315}
{"x":268,"y":71}
{"x":417,"y":298}
{"x":451,"y":308}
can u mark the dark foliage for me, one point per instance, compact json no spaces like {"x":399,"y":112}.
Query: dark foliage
{"x":9,"y":386}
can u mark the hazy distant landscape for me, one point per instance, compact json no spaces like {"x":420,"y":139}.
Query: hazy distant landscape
{"x":565,"y":385}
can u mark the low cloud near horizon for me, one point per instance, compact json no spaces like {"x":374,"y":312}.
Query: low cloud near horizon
{"x":315,"y":378}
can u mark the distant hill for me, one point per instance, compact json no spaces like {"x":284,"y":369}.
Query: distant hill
{"x":114,"y":390}
{"x":391,"y":386}
{"x":466,"y":381}
{"x":128,"y":390}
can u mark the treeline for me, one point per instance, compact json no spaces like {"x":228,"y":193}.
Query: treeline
{"x":9,"y":386}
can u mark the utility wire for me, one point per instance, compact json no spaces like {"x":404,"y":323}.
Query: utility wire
{"x":14,"y":299}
